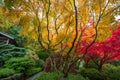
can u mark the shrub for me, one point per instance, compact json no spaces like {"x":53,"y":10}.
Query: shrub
{"x":40,"y":63}
{"x":32,"y":71}
{"x":8,"y":51}
{"x":91,"y":64}
{"x":91,"y":73}
{"x":5,"y":72}
{"x":56,"y":76}
{"x":76,"y":77}
{"x":111,"y":72}
{"x":32,"y":55}
{"x":42,"y":54}
{"x":20,"y":64}
{"x":116,"y":62}
{"x":48,"y":76}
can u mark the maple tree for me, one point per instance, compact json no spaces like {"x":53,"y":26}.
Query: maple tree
{"x":101,"y":52}
{"x":60,"y":26}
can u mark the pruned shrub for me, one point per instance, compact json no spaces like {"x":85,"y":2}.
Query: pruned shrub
{"x":5,"y":72}
{"x":111,"y":72}
{"x":32,"y":71}
{"x":48,"y":76}
{"x":40,"y":63}
{"x":115,"y":62}
{"x":20,"y":64}
{"x":42,"y":54}
{"x":8,"y":51}
{"x":91,"y":73}
{"x":56,"y":76}
{"x":76,"y":77}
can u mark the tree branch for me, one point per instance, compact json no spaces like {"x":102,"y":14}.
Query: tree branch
{"x":47,"y":17}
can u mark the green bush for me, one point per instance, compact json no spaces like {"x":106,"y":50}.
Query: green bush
{"x":56,"y":76}
{"x":91,"y":73}
{"x":20,"y":64}
{"x":76,"y":77}
{"x":115,"y":62}
{"x":8,"y":51}
{"x":32,"y":55}
{"x":48,"y":76}
{"x":111,"y":72}
{"x":32,"y":71}
{"x":91,"y":64}
{"x":42,"y":54}
{"x":40,"y":63}
{"x":5,"y":72}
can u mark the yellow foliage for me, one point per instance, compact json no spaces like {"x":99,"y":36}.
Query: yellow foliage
{"x":32,"y":55}
{"x":34,"y":18}
{"x":103,"y":33}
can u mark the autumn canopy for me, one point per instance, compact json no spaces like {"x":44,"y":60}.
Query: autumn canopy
{"x":77,"y":30}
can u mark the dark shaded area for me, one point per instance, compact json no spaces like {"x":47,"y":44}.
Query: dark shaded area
{"x":7,"y":39}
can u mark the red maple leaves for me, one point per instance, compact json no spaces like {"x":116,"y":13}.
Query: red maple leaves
{"x":105,"y":50}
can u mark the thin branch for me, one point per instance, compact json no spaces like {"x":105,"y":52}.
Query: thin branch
{"x":111,"y":11}
{"x":56,"y":24}
{"x":65,"y":34}
{"x":47,"y":17}
{"x":76,"y":28}
{"x":36,"y":11}
{"x":75,"y":38}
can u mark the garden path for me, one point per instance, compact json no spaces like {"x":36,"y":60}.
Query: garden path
{"x":34,"y":76}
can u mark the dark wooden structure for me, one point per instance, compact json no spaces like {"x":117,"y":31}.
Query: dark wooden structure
{"x":7,"y":39}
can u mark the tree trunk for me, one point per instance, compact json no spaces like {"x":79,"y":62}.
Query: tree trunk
{"x":100,"y":66}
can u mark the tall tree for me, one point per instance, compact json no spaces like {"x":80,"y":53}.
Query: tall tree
{"x":61,"y":25}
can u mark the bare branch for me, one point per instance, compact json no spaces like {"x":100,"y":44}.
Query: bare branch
{"x":47,"y":17}
{"x":111,"y":11}
{"x":76,"y":28}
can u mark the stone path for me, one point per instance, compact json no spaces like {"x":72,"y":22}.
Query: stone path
{"x":34,"y":76}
